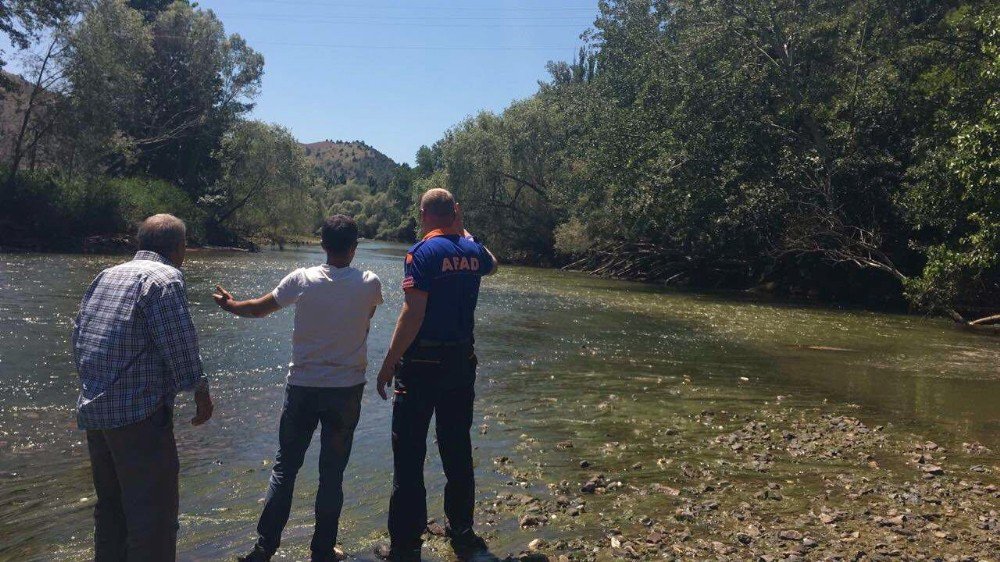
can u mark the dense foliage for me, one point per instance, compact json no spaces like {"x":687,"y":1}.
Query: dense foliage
{"x":841,"y":149}
{"x":149,"y":93}
{"x":846,"y":149}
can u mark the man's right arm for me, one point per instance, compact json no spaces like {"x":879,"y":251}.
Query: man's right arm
{"x":253,"y":308}
{"x":407,"y":327}
{"x":459,"y":224}
{"x":285,"y":294}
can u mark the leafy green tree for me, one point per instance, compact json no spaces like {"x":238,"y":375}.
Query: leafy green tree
{"x":836,"y":148}
{"x":105,"y":62}
{"x":953,"y":198}
{"x":263,"y":188}
{"x":201,"y":81}
{"x":150,"y":8}
{"x":155,"y":97}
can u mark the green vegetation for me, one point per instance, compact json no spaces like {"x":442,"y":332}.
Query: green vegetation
{"x":344,"y":162}
{"x":360,"y":181}
{"x":841,"y":150}
{"x":139,"y":107}
{"x":40,"y":211}
{"x":845,"y":150}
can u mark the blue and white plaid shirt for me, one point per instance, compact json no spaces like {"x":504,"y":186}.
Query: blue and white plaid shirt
{"x":134,"y":343}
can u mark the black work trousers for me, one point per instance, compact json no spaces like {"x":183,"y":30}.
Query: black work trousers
{"x":434,"y":381}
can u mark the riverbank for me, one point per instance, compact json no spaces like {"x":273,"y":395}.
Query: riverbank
{"x":784,"y":483}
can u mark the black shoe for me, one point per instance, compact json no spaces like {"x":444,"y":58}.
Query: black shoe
{"x":467,"y":544}
{"x":386,"y":552}
{"x":257,"y":555}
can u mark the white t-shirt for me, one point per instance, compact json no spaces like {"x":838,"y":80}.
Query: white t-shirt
{"x":333,"y":309}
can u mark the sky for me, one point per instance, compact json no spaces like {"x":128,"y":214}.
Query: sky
{"x":397,"y":74}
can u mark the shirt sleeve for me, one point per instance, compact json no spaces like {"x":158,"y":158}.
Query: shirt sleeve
{"x":377,"y":290}
{"x":290,"y":289}
{"x":172,"y":331}
{"x":486,"y":263}
{"x":416,"y":272}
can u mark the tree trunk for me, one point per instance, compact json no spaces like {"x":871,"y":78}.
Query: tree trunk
{"x":18,"y":148}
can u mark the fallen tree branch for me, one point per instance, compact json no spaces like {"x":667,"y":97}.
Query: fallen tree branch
{"x":986,"y":321}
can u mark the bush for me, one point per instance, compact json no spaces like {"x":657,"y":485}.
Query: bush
{"x":40,"y":210}
{"x":139,"y":198}
{"x":571,"y":238}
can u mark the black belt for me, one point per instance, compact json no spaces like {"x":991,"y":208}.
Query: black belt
{"x":438,"y":343}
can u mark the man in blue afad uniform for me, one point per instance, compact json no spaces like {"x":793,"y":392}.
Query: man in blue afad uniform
{"x":433,"y":362}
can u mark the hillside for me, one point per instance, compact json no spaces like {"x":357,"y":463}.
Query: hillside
{"x":343,"y":161}
{"x":14,"y":99}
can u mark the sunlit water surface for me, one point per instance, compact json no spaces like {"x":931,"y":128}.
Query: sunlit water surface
{"x":553,"y":347}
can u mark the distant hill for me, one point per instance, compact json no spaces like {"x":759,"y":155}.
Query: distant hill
{"x":342,"y":161}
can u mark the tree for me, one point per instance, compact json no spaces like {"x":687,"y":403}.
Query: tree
{"x":151,"y":8}
{"x":155,"y":97}
{"x":199,"y":83}
{"x":21,"y":20}
{"x":37,"y":105}
{"x":839,"y":148}
{"x":263,"y":188}
{"x":106,"y":58}
{"x":953,"y":196}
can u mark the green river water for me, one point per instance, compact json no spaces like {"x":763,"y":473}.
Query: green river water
{"x":562,"y":357}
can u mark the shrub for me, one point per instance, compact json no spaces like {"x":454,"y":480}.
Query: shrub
{"x":139,"y":198}
{"x":40,"y":210}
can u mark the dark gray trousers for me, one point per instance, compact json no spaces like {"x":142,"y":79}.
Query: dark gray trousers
{"x":135,"y":475}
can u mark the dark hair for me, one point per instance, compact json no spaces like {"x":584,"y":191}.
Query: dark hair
{"x":340,"y":234}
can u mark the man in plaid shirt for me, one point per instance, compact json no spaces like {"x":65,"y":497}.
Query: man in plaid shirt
{"x":135,"y":347}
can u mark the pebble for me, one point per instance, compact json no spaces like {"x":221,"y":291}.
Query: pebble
{"x":790,"y":535}
{"x":531,"y":520}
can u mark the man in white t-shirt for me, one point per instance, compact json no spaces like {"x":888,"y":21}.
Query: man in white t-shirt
{"x":334,"y":303}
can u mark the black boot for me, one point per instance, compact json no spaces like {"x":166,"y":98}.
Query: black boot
{"x":467,"y":544}
{"x":396,"y":554}
{"x":257,"y":555}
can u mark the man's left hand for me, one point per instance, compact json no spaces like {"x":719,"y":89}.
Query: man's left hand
{"x":205,"y":407}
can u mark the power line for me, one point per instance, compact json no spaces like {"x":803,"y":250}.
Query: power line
{"x":589,"y":7}
{"x":430,"y":19}
{"x":421,"y":47}
{"x":376,"y":22}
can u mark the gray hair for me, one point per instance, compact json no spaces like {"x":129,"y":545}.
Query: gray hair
{"x":162,"y":234}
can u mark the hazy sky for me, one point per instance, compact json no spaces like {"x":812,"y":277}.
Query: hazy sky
{"x":396,"y":74}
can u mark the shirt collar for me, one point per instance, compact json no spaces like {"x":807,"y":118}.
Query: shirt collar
{"x":152,"y":256}
{"x":332,"y":269}
{"x":442,"y":232}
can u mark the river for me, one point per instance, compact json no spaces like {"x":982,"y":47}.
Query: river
{"x":564,"y":358}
